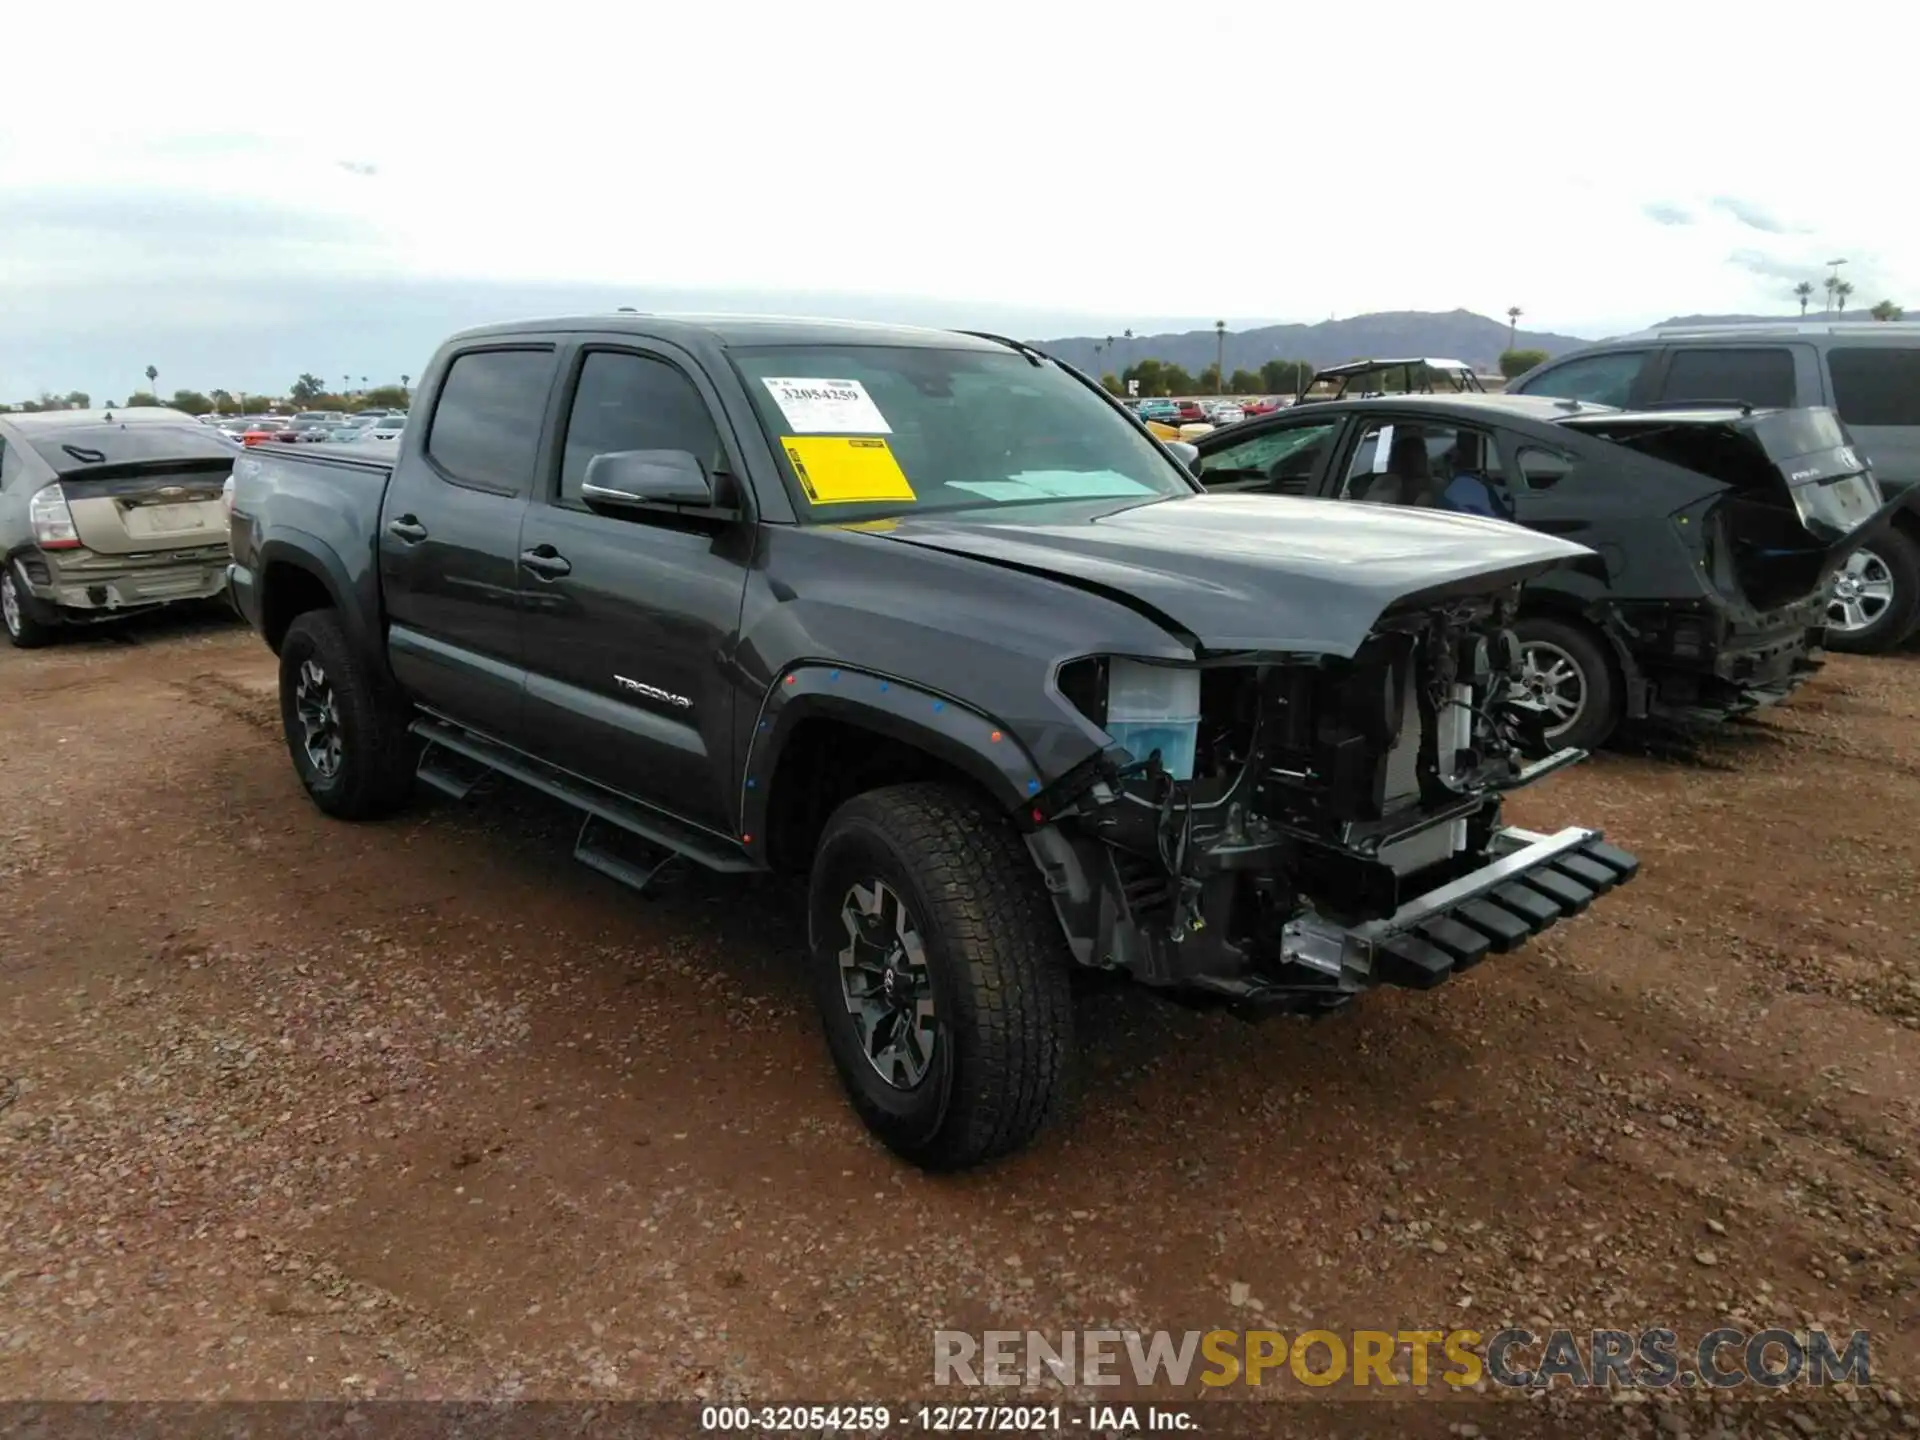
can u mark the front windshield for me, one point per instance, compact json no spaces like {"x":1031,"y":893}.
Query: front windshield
{"x":873,"y":430}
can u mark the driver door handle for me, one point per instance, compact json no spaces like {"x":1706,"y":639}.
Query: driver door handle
{"x":546,"y":562}
{"x":407,"y":528}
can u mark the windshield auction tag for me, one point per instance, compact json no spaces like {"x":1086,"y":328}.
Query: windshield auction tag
{"x":827,"y":407}
{"x":846,"y":469}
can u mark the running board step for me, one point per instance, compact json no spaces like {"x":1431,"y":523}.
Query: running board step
{"x":596,"y":854}
{"x":655,"y":827}
{"x":447,"y":772}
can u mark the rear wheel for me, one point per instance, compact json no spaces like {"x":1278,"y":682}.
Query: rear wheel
{"x":1565,"y":674}
{"x":345,"y":729}
{"x":940,"y":974}
{"x":20,"y":613}
{"x":1876,"y":596}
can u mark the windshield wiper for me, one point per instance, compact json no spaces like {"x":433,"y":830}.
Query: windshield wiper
{"x":86,"y":456}
{"x":1035,"y":358}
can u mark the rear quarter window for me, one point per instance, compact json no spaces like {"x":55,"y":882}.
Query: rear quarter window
{"x":1875,"y":384}
{"x":1760,"y":375}
{"x":486,"y":424}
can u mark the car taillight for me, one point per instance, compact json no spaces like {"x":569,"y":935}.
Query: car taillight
{"x":52,"y":521}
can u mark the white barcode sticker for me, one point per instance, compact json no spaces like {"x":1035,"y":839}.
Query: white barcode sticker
{"x":827,"y":407}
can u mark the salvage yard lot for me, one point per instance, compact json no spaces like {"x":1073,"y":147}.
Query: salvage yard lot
{"x":423,"y":1108}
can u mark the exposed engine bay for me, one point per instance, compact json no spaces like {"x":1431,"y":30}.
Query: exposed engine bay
{"x":1326,"y":797}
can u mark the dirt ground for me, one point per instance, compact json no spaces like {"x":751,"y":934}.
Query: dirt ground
{"x":423,"y":1109}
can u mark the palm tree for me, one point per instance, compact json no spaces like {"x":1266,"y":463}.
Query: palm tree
{"x":1841,"y":290}
{"x":1220,"y":357}
{"x":1828,"y":284}
{"x":1886,"y":310}
{"x":1803,"y":292}
{"x":153,"y":382}
{"x":1514,"y":312}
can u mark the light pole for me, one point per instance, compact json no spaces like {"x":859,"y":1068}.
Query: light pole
{"x":1833,"y":280}
{"x":1220,"y":357}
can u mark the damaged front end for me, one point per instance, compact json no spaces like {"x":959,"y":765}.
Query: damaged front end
{"x":1322,"y":824}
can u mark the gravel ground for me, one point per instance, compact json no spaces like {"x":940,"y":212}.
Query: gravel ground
{"x":290,"y":1109}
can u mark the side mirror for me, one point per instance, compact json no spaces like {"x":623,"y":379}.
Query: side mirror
{"x":1188,"y":455}
{"x":623,"y":479}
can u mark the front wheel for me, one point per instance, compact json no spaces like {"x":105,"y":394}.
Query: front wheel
{"x":940,"y":974}
{"x":346,"y":731}
{"x":1876,"y":596}
{"x":1565,"y":674}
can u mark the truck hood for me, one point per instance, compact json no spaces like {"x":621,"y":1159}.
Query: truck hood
{"x":1243,"y":572}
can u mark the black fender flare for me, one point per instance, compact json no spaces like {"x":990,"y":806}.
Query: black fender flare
{"x":303,"y":551}
{"x":949,"y":729}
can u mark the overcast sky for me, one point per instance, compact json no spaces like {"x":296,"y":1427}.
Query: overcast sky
{"x":321,"y":188}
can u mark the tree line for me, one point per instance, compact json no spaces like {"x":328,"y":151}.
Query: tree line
{"x":309,"y":392}
{"x":1159,"y":377}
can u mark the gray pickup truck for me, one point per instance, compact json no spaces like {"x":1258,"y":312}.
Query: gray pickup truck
{"x":930,"y":619}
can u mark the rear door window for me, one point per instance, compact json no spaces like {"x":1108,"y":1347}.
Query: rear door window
{"x":1875,"y":384}
{"x":486,"y":425}
{"x":1760,"y":375}
{"x":1605,"y":379}
{"x":1429,"y":464}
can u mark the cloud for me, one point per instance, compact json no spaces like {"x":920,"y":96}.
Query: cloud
{"x":1663,"y":213}
{"x":359,"y":167}
{"x":58,"y":237}
{"x":1753,"y":216}
{"x":1775,"y":267}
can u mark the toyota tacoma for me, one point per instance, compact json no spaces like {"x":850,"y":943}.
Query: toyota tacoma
{"x":928,"y":618}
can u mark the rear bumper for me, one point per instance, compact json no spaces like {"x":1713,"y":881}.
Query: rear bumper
{"x":83,"y":584}
{"x":1529,"y":883}
{"x":1743,"y":674}
{"x":243,"y":595}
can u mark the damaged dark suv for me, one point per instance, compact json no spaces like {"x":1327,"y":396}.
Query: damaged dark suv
{"x":1715,"y":532}
{"x":928,"y":618}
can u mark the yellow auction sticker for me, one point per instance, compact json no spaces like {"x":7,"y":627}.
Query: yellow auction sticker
{"x":846,"y":469}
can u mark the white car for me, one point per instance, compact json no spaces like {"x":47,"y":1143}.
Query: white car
{"x":387,"y":427}
{"x":1228,"y":414}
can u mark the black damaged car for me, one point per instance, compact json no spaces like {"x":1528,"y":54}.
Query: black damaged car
{"x":1716,"y":531}
{"x":927,"y":619}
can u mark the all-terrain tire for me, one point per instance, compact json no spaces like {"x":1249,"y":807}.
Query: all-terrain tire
{"x":1900,"y":555}
{"x":26,"y":627}
{"x":992,"y":950}
{"x":373,"y":770}
{"x":1569,"y":642}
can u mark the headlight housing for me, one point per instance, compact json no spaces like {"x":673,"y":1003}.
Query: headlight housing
{"x":1145,"y":707}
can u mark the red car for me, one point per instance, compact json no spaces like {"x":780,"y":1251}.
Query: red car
{"x":1190,"y":413}
{"x":1265,"y":405}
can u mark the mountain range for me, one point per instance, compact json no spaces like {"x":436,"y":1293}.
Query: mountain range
{"x":1451,"y":335}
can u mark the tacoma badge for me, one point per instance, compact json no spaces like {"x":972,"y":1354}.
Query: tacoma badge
{"x":652,"y":692}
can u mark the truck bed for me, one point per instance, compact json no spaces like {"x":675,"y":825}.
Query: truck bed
{"x":327,"y":498}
